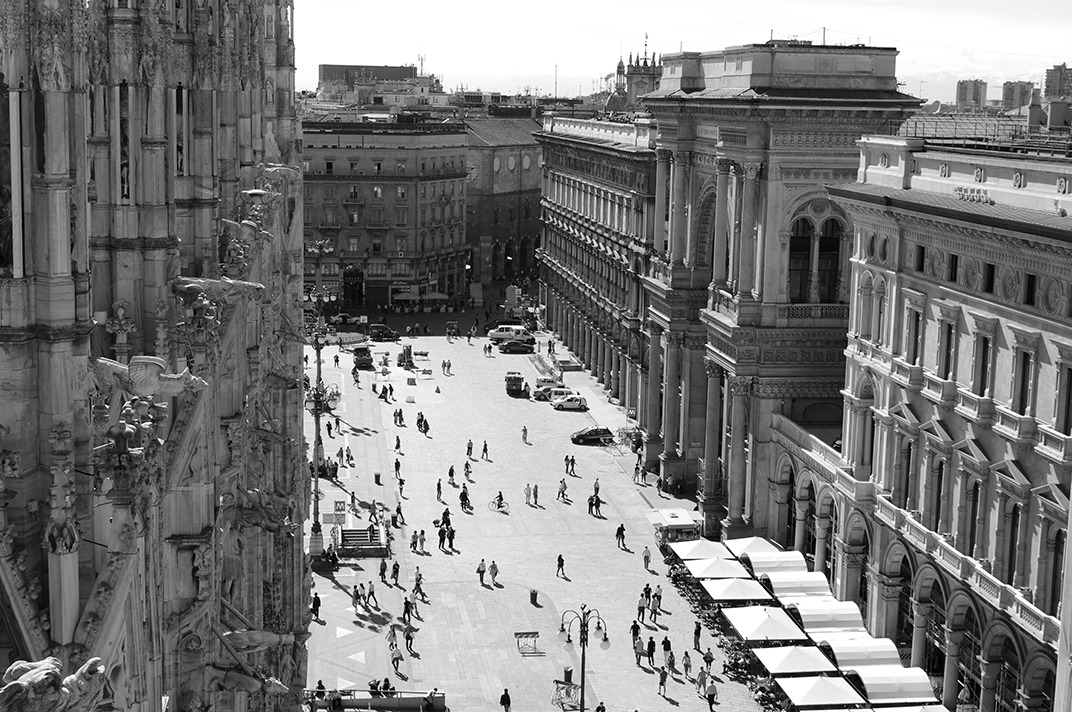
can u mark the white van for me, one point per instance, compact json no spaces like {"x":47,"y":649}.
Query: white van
{"x":553,"y":394}
{"x":511,"y":332}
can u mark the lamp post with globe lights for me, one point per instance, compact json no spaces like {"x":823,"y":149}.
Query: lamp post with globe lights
{"x":319,"y":400}
{"x":584,"y":620}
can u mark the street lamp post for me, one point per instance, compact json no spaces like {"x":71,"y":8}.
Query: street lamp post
{"x":319,"y":400}
{"x":584,"y":618}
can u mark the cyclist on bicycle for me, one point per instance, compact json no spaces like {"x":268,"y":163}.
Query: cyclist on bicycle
{"x":499,"y":500}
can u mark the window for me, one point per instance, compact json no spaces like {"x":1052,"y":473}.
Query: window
{"x":495,"y":217}
{"x":355,"y":217}
{"x":400,"y":167}
{"x":353,"y":246}
{"x":306,"y":166}
{"x":377,"y":216}
{"x":424,"y":166}
{"x":331,"y":268}
{"x":377,"y":192}
{"x":400,"y":192}
{"x":1025,"y":357}
{"x":354,"y":192}
{"x":988,"y":277}
{"x":939,"y":494}
{"x":308,"y":217}
{"x":1030,"y":289}
{"x":353,"y":166}
{"x":377,"y":247}
{"x":329,"y":216}
{"x":1057,"y":573}
{"x":307,"y":192}
{"x":921,"y":257}
{"x":424,"y":215}
{"x":947,"y":348}
{"x":953,"y":268}
{"x":1012,"y":541}
{"x":1063,"y":404}
{"x":329,"y":192}
{"x":510,"y":214}
{"x":975,"y":502}
{"x":983,"y":357}
{"x":913,"y":336}
{"x":400,"y":217}
{"x":376,"y":269}
{"x":329,"y":167}
{"x":377,"y":166}
{"x":452,"y":182}
{"x":423,"y":191}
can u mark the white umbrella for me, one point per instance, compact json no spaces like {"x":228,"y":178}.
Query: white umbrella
{"x":756,"y":624}
{"x":700,"y":549}
{"x":819,"y":691}
{"x":794,"y":660}
{"x":796,"y":583}
{"x":715,"y":568}
{"x":762,"y":562}
{"x":749,"y":544}
{"x":735,"y":589}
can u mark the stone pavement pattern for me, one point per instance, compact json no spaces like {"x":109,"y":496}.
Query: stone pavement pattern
{"x":465,"y":641}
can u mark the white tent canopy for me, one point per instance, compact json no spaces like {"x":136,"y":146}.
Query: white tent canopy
{"x":788,"y":601}
{"x":794,"y":660}
{"x":768,"y":561}
{"x":749,"y":544}
{"x":735,"y":589}
{"x":760,"y":623}
{"x":820,"y":616}
{"x":854,"y":652}
{"x":793,"y":583}
{"x":676,"y":518}
{"x":894,"y":684}
{"x":716,"y":568}
{"x":700,"y":549}
{"x":819,"y":691}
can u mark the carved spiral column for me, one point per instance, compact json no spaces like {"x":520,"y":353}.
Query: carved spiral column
{"x":662,"y":164}
{"x":747,"y":272}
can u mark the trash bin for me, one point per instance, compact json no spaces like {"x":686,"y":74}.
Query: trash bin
{"x":532,"y":596}
{"x":567,"y":674}
{"x":377,"y":476}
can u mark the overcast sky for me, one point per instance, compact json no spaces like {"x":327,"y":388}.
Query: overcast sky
{"x":501,"y":45}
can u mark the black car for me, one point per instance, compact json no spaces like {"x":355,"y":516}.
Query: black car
{"x":516,"y":347}
{"x":596,"y":435}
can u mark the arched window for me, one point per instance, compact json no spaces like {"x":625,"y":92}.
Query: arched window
{"x":968,"y":661}
{"x":878,"y":311}
{"x":791,"y":514}
{"x":809,"y":524}
{"x":826,"y":286}
{"x":1057,"y":572}
{"x":934,"y":654}
{"x":799,"y":260}
{"x":905,"y":615}
{"x":1008,"y":685}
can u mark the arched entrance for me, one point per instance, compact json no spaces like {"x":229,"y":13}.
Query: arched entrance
{"x":905,"y":615}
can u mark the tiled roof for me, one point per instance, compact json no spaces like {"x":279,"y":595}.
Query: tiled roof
{"x":502,"y":132}
{"x":1008,"y":217}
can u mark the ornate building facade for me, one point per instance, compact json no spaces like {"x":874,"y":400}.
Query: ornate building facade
{"x":598,"y":211}
{"x":945,"y":514}
{"x":747,"y":280}
{"x":153,"y":475}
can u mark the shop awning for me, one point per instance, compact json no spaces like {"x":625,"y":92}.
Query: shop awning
{"x":894,"y":684}
{"x":794,"y":660}
{"x":762,"y":562}
{"x":700,"y":549}
{"x":851,"y":652}
{"x":796,"y":583}
{"x":736,"y":589}
{"x":819,"y":692}
{"x":750,"y":544}
{"x":672,"y":518}
{"x":757,"y":624}
{"x":820,"y":616}
{"x":716,"y":569}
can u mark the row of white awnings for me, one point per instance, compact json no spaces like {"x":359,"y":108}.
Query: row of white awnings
{"x":757,"y":571}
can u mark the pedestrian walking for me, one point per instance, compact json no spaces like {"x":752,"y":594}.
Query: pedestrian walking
{"x":442,"y":537}
{"x":484,"y":452}
{"x":450,"y":537}
{"x":696,"y":630}
{"x":398,"y":513}
{"x":391,"y":392}
{"x":316,"y":607}
{"x":480,"y":569}
{"x":653,"y":610}
{"x":504,"y":700}
{"x":420,"y":542}
{"x":638,"y":649}
{"x":646,"y":555}
{"x":658,"y":598}
{"x":535,"y":495}
{"x":353,"y":502}
{"x":469,"y":448}
{"x":349,"y":456}
{"x":636,"y":474}
{"x":671,"y":661}
{"x":493,"y":571}
{"x":666,"y":650}
{"x":595,"y":487}
{"x":561,"y":571}
{"x":572,"y":465}
{"x":711,"y":693}
{"x":566,"y":460}
{"x":329,"y":430}
{"x":413,"y":543}
{"x":355,"y":597}
{"x":659,"y":485}
{"x":394,"y":573}
{"x":413,"y":602}
{"x":708,"y":658}
{"x":525,"y":434}
{"x":392,"y":636}
{"x":686,"y":664}
{"x":398,"y":444}
{"x":528,"y":494}
{"x":591,"y":504}
{"x":383,"y":570}
{"x":641,"y":607}
{"x":407,"y":610}
{"x":701,"y":681}
{"x":562,"y":490}
{"x":370,"y":595}
{"x":398,"y":468}
{"x":396,"y":657}
{"x":439,"y":490}
{"x":467,"y":470}
{"x":662,"y":681}
{"x":336,"y":360}
{"x":409,"y":639}
{"x":651,"y":651}
{"x":634,"y":630}
{"x":619,"y":535}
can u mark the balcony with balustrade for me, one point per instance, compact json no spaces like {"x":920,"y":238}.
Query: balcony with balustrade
{"x":1054,"y":445}
{"x":940,"y":391}
{"x":977,"y":409}
{"x":1020,"y":429}
{"x":907,"y":375}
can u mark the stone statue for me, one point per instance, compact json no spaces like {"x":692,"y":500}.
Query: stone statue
{"x":143,"y":377}
{"x":253,"y":641}
{"x":226,"y":290}
{"x":231,"y":679}
{"x":39,"y":687}
{"x":231,"y":544}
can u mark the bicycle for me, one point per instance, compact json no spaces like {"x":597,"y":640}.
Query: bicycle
{"x":494,"y":506}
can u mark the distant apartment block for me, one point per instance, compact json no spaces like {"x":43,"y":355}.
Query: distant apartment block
{"x":1016,"y":94}
{"x":1058,"y":81}
{"x":971,"y":94}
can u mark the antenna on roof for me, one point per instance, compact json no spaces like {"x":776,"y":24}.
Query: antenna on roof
{"x":421,"y":58}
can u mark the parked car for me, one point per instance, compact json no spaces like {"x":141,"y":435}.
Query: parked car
{"x":595,"y":435}
{"x":573,"y":402}
{"x":551,"y":393}
{"x":511,"y":332}
{"x":382,"y":332}
{"x":515,"y":384}
{"x":551,"y":381}
{"x":516,"y":347}
{"x":496,"y":323}
{"x":362,"y":356}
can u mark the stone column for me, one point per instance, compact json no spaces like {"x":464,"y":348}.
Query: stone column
{"x":989,"y":684}
{"x":800,"y":525}
{"x":746,"y":277}
{"x":678,"y":218}
{"x":590,"y":348}
{"x":813,"y":271}
{"x":721,"y":239}
{"x":712,"y":441}
{"x":671,"y":394}
{"x":596,"y":356}
{"x":951,"y":670}
{"x":616,"y":376}
{"x":642,"y":397}
{"x":662,"y":163}
{"x":822,"y":527}
{"x":920,"y":613}
{"x":655,"y":354}
{"x":740,"y":387}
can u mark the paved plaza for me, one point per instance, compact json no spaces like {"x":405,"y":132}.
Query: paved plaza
{"x":464,"y":642}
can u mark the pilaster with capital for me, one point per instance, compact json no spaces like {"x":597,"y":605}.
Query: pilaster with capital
{"x":747,"y":261}
{"x":679,"y":207}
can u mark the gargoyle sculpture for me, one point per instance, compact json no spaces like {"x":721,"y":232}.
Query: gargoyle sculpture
{"x":253,"y":641}
{"x":40,"y":687}
{"x":225,"y":290}
{"x":231,"y":679}
{"x":144,"y":376}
